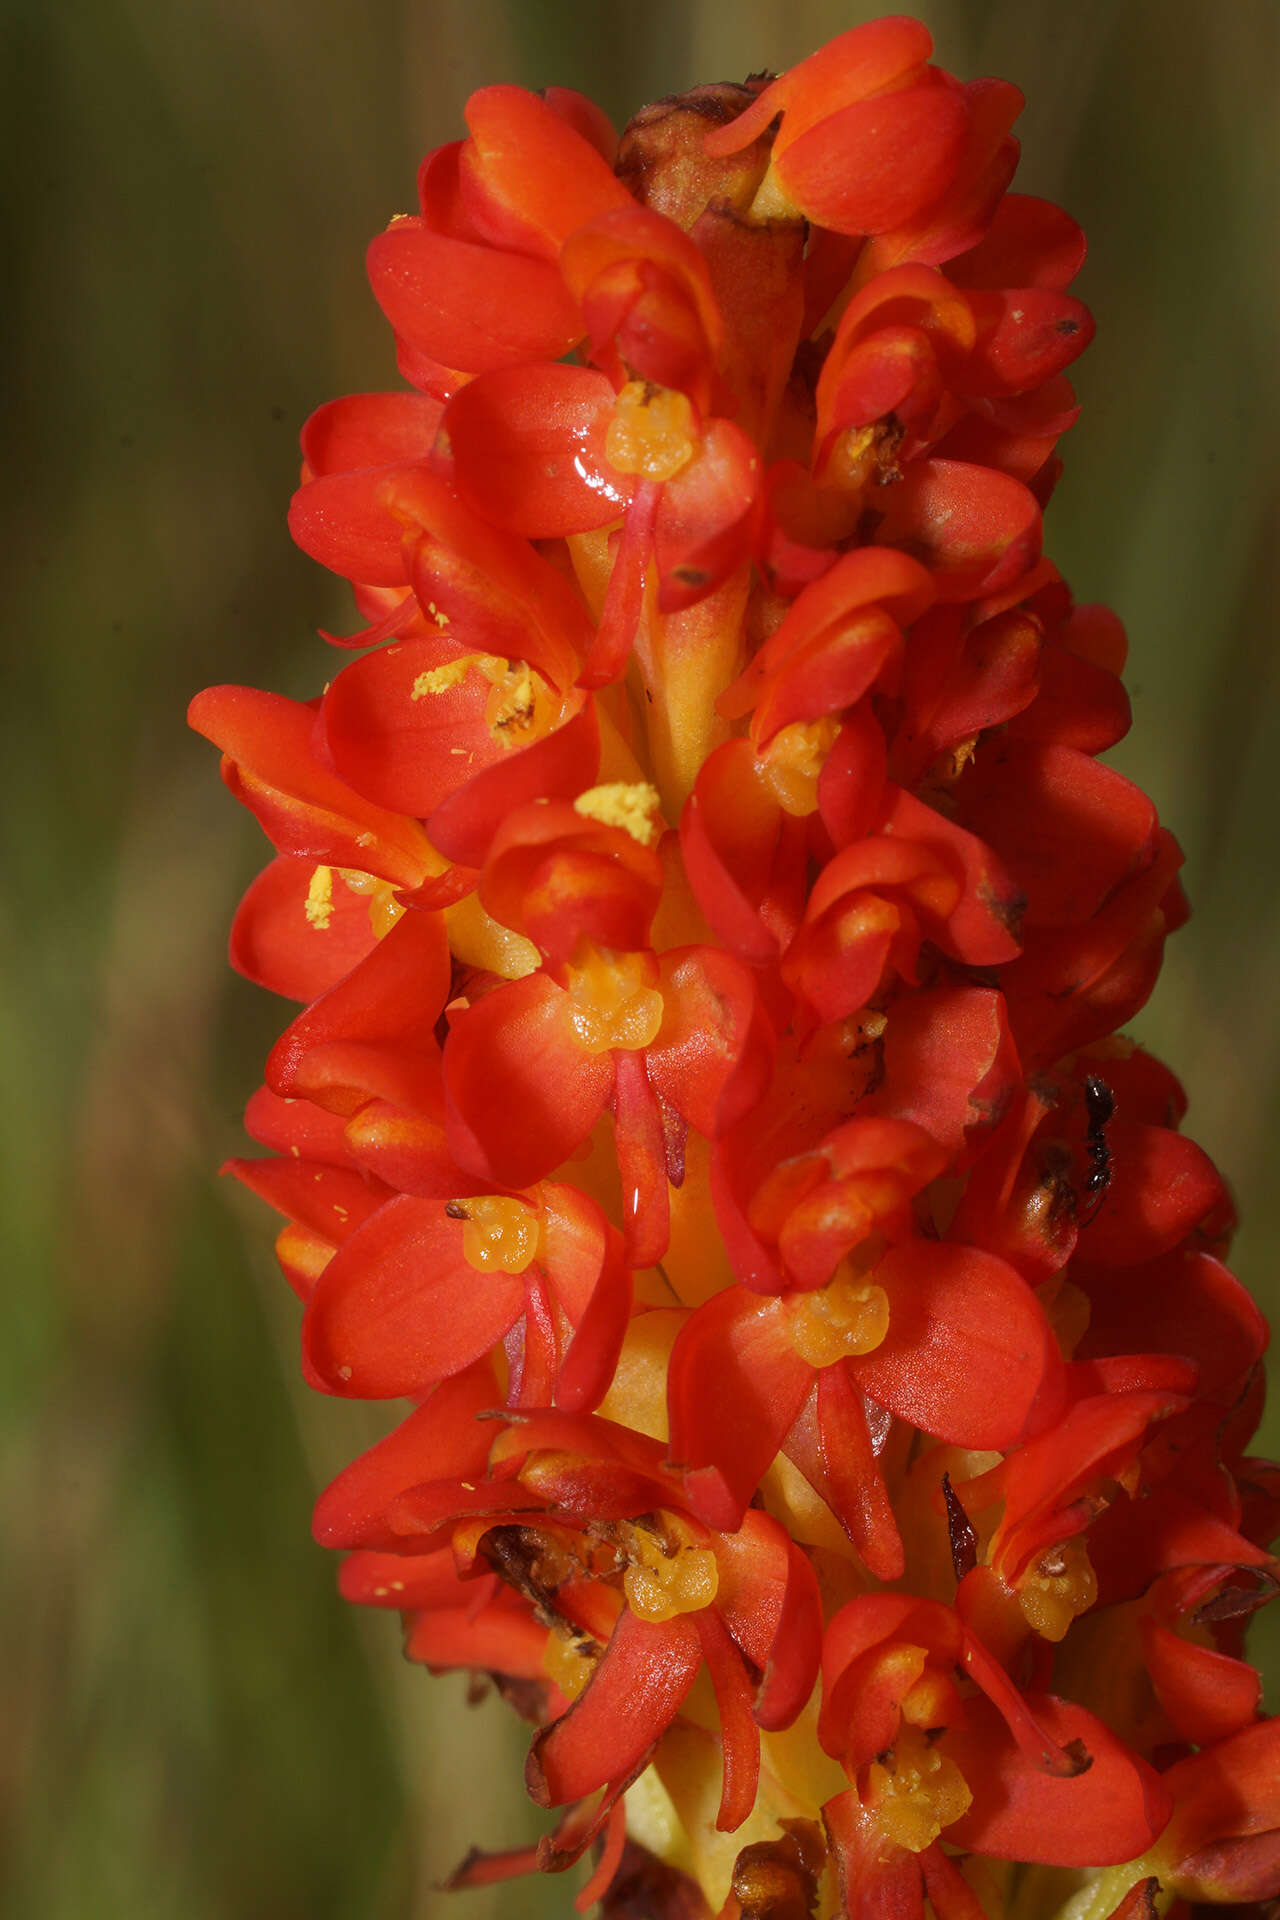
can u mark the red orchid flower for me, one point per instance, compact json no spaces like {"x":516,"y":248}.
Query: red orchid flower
{"x":710,"y":922}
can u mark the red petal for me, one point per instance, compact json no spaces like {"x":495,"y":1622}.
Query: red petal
{"x":958,"y":682}
{"x":707,"y":517}
{"x":404,"y":1580}
{"x":1096,"y":1439}
{"x":592,"y":1280}
{"x":606,"y":658}
{"x":556,"y":876}
{"x":399,"y":613}
{"x":271,"y":765}
{"x":861,"y":922}
{"x":533,"y":1348}
{"x":630,"y":1700}
{"x":713,"y":1054}
{"x":870,"y":166}
{"x":408,"y":1149}
{"x":1110,"y":1813}
{"x":401,"y":746}
{"x":739,"y":1736}
{"x":302,"y":1257}
{"x":867,"y":578}
{"x":528,"y":450}
{"x":796,"y":1650}
{"x":474,"y":580}
{"x":1030,"y":243}
{"x":949,"y":1064}
{"x":951,"y":224}
{"x":442,"y":1440}
{"x":559,"y":766}
{"x":343,"y":521}
{"x":1073,"y":987}
{"x":862,"y":60}
{"x":859,"y":1497}
{"x":977,"y":531}
{"x":1207,"y":1695}
{"x":982,"y":928}
{"x":729,"y":836}
{"x":851,"y":784}
{"x":642,"y":1162}
{"x":831,"y":672}
{"x":967,"y":1346}
{"x":296,"y":1128}
{"x":1224,"y":1841}
{"x":495,"y":1641}
{"x":528,"y":175}
{"x":522,"y":1091}
{"x":487,"y":1869}
{"x":277,"y":944}
{"x":645,"y":291}
{"x":734,"y":1386}
{"x":395,"y":996}
{"x":1079,"y":704}
{"x":1184,"y":1303}
{"x":399,"y":1308}
{"x":602,"y":1875}
{"x":329,"y":1201}
{"x":370,"y":430}
{"x":585,"y":117}
{"x":1026,"y":335}
{"x":1162,"y":1186}
{"x":950,"y":1895}
{"x":468,"y":306}
{"x":1069,"y":829}
{"x":877,"y":1880}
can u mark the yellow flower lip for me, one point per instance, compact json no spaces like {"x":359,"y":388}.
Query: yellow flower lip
{"x":631,"y":805}
{"x":613,"y":1003}
{"x":652,"y":433}
{"x":668,"y":1576}
{"x":916,"y":1792}
{"x":849,"y":1316}
{"x":499,"y":1235}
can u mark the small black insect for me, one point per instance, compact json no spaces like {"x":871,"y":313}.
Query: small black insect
{"x":1099,"y":1106}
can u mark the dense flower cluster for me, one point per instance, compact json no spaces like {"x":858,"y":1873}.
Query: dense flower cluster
{"x":713,"y":922}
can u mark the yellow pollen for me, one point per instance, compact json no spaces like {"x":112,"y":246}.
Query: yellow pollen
{"x":652,"y":432}
{"x":611,"y":1001}
{"x":319,"y":904}
{"x":660,"y":1584}
{"x":853,"y":458}
{"x":960,"y":756}
{"x":440,"y":679}
{"x":792,"y":761}
{"x":511,"y":704}
{"x":1056,"y":1588}
{"x":567,"y":1665}
{"x":441,"y":619}
{"x":927,"y":1703}
{"x":850,"y":1315}
{"x":631,"y":805}
{"x":384,"y":908}
{"x":915,"y":1792}
{"x":499,"y":1235}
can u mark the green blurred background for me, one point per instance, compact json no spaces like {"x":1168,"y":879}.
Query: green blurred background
{"x":193,"y":1725}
